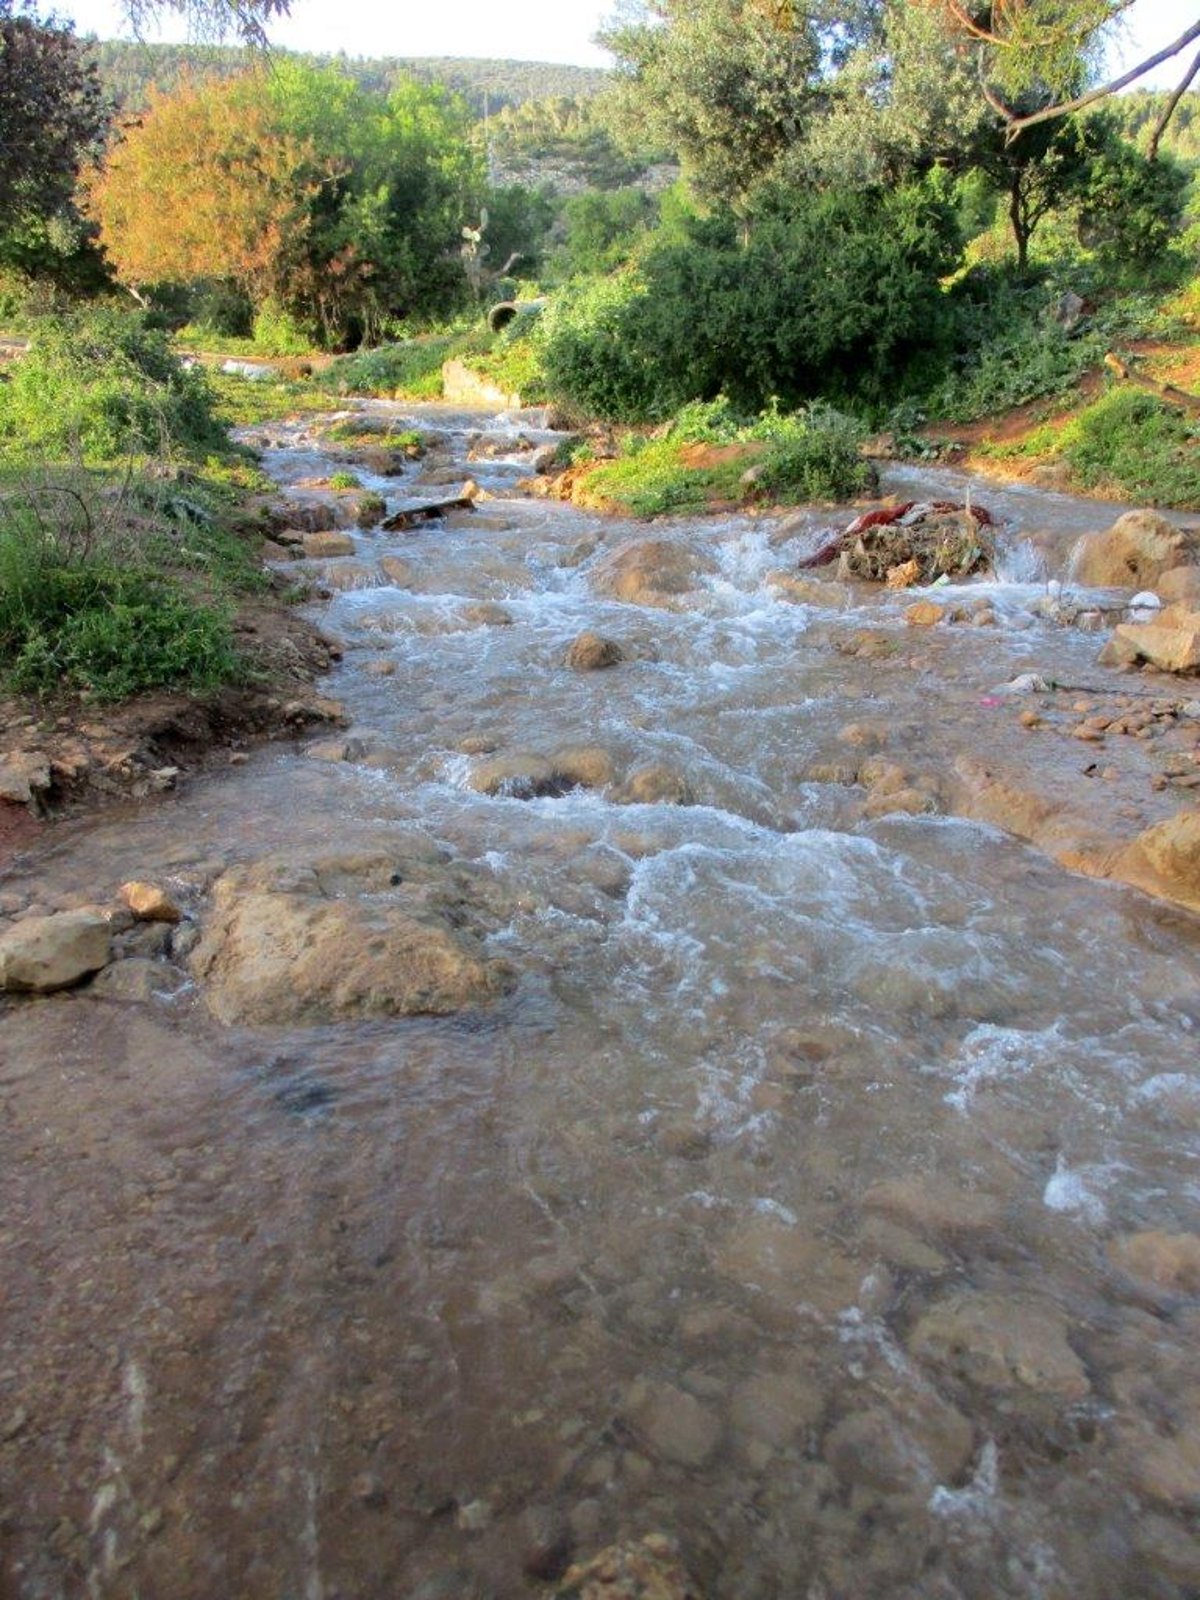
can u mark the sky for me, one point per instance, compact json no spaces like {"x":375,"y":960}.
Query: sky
{"x":533,"y":30}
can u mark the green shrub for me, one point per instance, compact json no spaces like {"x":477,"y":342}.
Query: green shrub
{"x":344,"y":480}
{"x":277,"y":333}
{"x":411,"y":370}
{"x":1132,"y":443}
{"x":79,"y":623}
{"x":103,"y":385}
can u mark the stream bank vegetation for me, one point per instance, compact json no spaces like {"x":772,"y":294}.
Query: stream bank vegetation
{"x":774,"y":230}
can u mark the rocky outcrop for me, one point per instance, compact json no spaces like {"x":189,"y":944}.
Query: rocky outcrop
{"x":1165,"y":860}
{"x":41,"y":954}
{"x":651,"y":572}
{"x":1134,"y":553}
{"x":345,"y":936}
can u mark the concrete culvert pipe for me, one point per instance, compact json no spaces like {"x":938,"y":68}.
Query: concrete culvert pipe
{"x":502,"y":314}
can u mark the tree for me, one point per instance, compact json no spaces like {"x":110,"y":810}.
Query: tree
{"x":731,"y":85}
{"x":52,"y":113}
{"x":1047,"y":47}
{"x":341,"y":207}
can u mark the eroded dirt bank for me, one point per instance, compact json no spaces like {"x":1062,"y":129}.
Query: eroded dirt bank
{"x":609,"y":1088}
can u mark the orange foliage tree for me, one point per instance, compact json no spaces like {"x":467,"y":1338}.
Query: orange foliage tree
{"x":208,"y":184}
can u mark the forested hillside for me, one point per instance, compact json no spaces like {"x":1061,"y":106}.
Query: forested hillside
{"x":131,"y":70}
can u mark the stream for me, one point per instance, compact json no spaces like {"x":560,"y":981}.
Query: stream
{"x":821,"y":1193}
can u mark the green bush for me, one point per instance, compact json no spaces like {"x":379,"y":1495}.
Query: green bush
{"x":77,"y":623}
{"x":103,"y":385}
{"x":835,"y":294}
{"x":1132,"y":443}
{"x":410,"y":370}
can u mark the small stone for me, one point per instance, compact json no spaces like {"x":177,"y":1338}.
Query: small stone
{"x":548,"y":1542}
{"x":369,"y":1491}
{"x":925,"y":614}
{"x":1031,"y":719}
{"x":591,"y":652}
{"x":475,"y":1516}
{"x":149,"y":902}
{"x":385,"y":667}
{"x":488,"y":614}
{"x":671,"y":1423}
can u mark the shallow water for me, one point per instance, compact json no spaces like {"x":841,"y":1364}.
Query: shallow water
{"x":771,"y":1211}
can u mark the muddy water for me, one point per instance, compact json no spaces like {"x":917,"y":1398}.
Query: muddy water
{"x":780,"y":1208}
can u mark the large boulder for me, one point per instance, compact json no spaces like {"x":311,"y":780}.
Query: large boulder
{"x":41,"y":954}
{"x":651,"y":572}
{"x":381,"y":934}
{"x":1171,"y":644}
{"x":1134,"y":553}
{"x":1165,"y":860}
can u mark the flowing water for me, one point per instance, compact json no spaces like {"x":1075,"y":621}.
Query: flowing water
{"x":780,"y":1208}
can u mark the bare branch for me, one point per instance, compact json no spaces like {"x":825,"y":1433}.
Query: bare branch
{"x":1172,"y":103}
{"x":1017,"y":124}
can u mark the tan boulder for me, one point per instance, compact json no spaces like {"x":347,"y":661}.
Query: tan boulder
{"x":1180,"y":586}
{"x":1132,"y":554}
{"x":23,"y":775}
{"x":651,"y":572}
{"x":1171,"y":645}
{"x":1165,"y":860}
{"x":520,"y":775}
{"x":377,"y":935}
{"x":810,"y":591}
{"x":41,"y":954}
{"x":488,"y":614}
{"x":324,"y":545}
{"x":584,"y":766}
{"x":924,"y":614}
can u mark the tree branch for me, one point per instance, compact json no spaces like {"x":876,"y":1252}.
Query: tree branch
{"x":1161,"y":126}
{"x":1017,"y":124}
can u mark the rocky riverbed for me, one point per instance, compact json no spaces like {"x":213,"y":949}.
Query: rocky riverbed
{"x":618,"y":1111}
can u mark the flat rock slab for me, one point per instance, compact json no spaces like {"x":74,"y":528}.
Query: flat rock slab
{"x":352,"y":936}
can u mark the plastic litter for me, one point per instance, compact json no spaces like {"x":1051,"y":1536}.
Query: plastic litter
{"x":1027,"y":683}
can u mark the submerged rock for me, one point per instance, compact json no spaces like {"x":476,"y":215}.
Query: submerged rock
{"x":651,"y":572}
{"x":591,"y":652}
{"x":650,"y":1569}
{"x":41,"y":954}
{"x":280,"y":946}
{"x":1005,"y":1342}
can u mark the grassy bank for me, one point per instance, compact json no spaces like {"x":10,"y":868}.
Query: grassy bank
{"x":124,"y":541}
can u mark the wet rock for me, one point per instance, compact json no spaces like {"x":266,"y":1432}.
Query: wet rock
{"x":488,"y":614}
{"x":789,"y":1265}
{"x":346,"y":575}
{"x":149,"y":902}
{"x":138,"y":980}
{"x":1004,"y":1342}
{"x":924,"y":614}
{"x":580,"y":552}
{"x":384,"y":668}
{"x":1133,"y":554}
{"x":584,"y":766}
{"x":520,"y":775}
{"x":368,"y":509}
{"x":1180,"y":586}
{"x":591,"y":652}
{"x":397,"y":571}
{"x":41,"y":954}
{"x":24,"y":774}
{"x":1170,"y":645}
{"x":774,"y":1409}
{"x":652,"y":572}
{"x":323,"y":546}
{"x":934,"y":1205}
{"x":547,"y":1543}
{"x":651,"y":1569}
{"x":910,"y":1445}
{"x":1118,"y":652}
{"x":656,"y":784}
{"x":280,"y":947}
{"x":1165,"y":859}
{"x":1170,"y":1261}
{"x":810,"y":591}
{"x":671,"y":1423}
